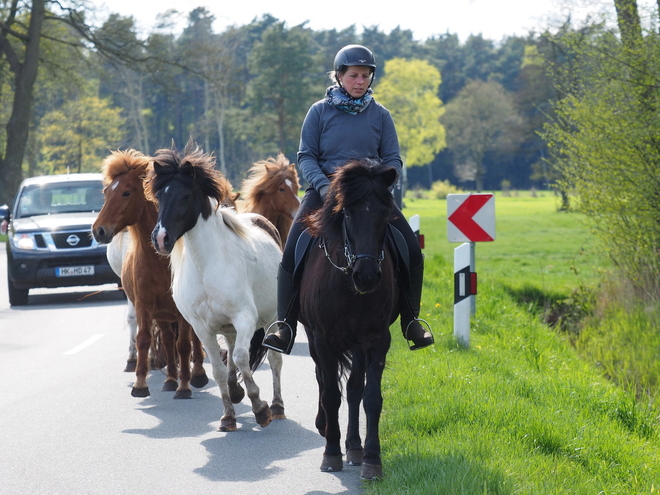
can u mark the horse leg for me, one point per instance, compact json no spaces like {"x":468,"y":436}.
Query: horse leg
{"x":241,"y":357}
{"x":354,"y":393}
{"x":236,"y":392}
{"x":219,"y":370}
{"x":331,"y":401}
{"x":143,"y":343}
{"x":131,"y":362}
{"x":277,"y":406}
{"x":167,"y":335}
{"x":320,"y":420}
{"x":372,"y":467}
{"x":199,"y":378}
{"x":184,"y":349}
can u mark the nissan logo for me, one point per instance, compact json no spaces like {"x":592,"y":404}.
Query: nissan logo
{"x":73,"y":240}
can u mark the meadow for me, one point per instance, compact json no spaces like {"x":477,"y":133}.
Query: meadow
{"x":521,"y":410}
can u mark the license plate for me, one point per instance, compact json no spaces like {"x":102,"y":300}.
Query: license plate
{"x":74,"y":271}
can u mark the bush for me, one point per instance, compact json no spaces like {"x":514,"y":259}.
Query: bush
{"x":440,"y":189}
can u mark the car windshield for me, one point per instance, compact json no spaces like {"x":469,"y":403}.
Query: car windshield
{"x":66,"y":197}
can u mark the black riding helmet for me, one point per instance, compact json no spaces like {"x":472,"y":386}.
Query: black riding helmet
{"x":352,"y":55}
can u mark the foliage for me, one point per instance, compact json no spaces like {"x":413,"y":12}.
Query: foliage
{"x":606,"y":142}
{"x":409,"y":90}
{"x":482,"y":119}
{"x":442,"y":188}
{"x":282,"y":87}
{"x":75,"y":137}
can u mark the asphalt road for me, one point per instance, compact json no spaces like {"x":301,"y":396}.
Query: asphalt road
{"x":68,"y":424}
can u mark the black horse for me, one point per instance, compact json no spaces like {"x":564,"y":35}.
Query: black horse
{"x":348,"y":300}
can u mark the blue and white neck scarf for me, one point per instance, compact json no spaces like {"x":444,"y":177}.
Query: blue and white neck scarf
{"x":337,"y":96}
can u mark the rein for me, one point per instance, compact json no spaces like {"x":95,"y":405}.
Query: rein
{"x":351,"y":258}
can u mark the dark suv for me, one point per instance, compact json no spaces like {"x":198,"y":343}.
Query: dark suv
{"x":49,"y":239}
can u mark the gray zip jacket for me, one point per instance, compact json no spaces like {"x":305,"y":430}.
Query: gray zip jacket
{"x":330,"y":137}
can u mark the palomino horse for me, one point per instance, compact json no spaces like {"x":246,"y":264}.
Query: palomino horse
{"x":348,"y":300}
{"x":146,"y":276}
{"x":271,"y":190}
{"x":224,"y":271}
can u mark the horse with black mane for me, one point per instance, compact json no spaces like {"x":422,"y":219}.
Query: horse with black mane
{"x":349,"y":297}
{"x":224,"y":271}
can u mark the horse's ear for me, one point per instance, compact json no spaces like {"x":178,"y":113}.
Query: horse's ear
{"x":187,"y":168}
{"x":157,"y":166}
{"x":389,"y":176}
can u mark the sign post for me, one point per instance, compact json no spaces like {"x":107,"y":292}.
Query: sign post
{"x":470,"y":219}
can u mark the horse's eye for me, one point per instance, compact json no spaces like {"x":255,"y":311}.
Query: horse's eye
{"x":126,"y":194}
{"x":282,"y":189}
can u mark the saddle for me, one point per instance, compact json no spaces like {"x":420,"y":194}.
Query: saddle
{"x":393,"y":237}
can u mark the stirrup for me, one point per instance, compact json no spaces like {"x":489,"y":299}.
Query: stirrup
{"x":277,"y":343}
{"x":426,"y":340}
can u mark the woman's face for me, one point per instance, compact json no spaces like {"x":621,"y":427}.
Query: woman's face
{"x":356,"y":80}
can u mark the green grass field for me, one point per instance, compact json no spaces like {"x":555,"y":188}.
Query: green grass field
{"x":519,"y":411}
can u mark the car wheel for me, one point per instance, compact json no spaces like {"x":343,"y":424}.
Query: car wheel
{"x":17,"y":297}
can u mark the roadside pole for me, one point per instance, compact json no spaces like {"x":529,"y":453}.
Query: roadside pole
{"x":470,"y":219}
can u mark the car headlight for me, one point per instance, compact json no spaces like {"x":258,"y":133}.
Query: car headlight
{"x":24,"y":241}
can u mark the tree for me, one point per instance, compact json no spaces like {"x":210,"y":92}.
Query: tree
{"x":410,"y":92}
{"x":75,"y":137}
{"x":282,"y":88}
{"x":20,"y":48}
{"x":605,"y":139}
{"x":482,"y":119}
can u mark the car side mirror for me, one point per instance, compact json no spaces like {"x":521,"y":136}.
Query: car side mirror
{"x":4,"y":212}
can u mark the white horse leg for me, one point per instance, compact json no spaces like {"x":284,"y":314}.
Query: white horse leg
{"x":131,"y":321}
{"x":277,"y":406}
{"x":241,"y":357}
{"x":236,"y":392}
{"x":228,"y":419}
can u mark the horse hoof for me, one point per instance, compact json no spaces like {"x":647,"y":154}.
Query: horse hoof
{"x":140,"y":392}
{"x":332,"y":463}
{"x":130,"y":366}
{"x":183,"y":394}
{"x":170,"y":386}
{"x":199,"y":381}
{"x":277,"y":412}
{"x":227,"y":424}
{"x":263,"y":416}
{"x":354,"y":457}
{"x":371,"y":472}
{"x":236,"y":394}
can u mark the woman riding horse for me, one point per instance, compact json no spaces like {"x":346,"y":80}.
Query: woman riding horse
{"x":347,"y":124}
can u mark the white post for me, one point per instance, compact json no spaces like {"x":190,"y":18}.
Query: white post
{"x":463,"y":292}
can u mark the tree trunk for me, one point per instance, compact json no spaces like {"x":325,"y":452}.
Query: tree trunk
{"x":25,"y":75}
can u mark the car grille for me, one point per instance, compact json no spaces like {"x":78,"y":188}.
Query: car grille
{"x":72,"y":240}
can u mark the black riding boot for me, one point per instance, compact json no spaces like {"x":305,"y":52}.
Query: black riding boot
{"x":412,"y":326}
{"x":287,"y":314}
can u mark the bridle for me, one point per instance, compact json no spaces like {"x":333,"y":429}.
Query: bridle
{"x":351,"y":258}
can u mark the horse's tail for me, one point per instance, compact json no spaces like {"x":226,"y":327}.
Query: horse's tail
{"x":257,"y":351}
{"x":345,"y":360}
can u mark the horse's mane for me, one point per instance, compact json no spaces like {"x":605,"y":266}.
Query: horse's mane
{"x":195,"y":169}
{"x":260,"y":181}
{"x":122,"y":161}
{"x":351,"y":184}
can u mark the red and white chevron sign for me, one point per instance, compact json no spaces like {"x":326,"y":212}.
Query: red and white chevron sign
{"x":471,"y":217}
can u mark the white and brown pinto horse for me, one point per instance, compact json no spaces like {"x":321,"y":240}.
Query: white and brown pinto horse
{"x":224,"y":273}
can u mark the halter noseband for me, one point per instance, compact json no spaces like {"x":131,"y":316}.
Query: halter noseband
{"x":351,"y":258}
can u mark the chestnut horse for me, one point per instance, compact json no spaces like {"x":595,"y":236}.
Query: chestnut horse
{"x":271,"y":190}
{"x":224,"y":270}
{"x":348,"y":300}
{"x":146,"y":276}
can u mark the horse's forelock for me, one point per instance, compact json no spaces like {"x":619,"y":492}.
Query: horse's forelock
{"x":122,"y":161}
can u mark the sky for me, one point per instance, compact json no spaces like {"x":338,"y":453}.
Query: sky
{"x":494,"y":19}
